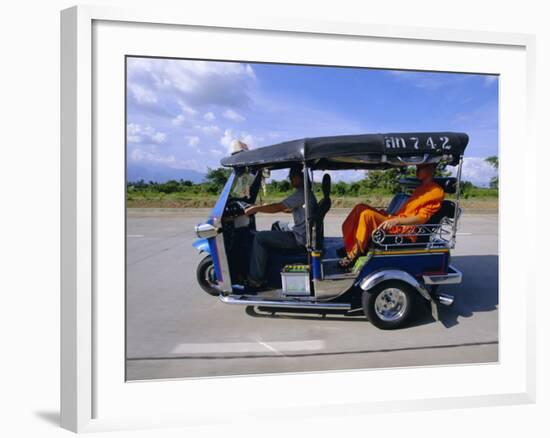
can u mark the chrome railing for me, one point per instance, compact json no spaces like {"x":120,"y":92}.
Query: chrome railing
{"x":440,"y":235}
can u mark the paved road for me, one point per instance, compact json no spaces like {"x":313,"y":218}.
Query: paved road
{"x":175,"y":330}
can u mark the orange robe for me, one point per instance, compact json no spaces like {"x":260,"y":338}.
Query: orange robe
{"x":364,"y":219}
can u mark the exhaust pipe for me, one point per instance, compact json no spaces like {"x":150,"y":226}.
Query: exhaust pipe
{"x":445,"y":300}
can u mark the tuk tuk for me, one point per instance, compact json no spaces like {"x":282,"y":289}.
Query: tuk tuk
{"x":386,"y":281}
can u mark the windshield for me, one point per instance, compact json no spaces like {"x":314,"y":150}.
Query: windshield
{"x":242,"y":185}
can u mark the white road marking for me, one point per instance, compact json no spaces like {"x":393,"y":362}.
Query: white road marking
{"x":269,"y":347}
{"x":249,"y":347}
{"x":464,"y":234}
{"x":135,"y":235}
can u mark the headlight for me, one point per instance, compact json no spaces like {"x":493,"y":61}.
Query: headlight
{"x":206,"y":231}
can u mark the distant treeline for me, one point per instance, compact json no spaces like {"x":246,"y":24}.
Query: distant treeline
{"x":379,"y":182}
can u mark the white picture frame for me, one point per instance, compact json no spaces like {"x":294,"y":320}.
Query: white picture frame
{"x":93,"y":396}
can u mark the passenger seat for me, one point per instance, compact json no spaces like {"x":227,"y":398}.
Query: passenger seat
{"x":397,"y":202}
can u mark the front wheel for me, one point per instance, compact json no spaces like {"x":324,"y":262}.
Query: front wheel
{"x":389,"y":305}
{"x":206,"y":276}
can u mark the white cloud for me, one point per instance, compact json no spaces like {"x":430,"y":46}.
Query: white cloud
{"x":133,"y":129}
{"x":348,"y":176}
{"x":192,"y":140}
{"x":187,"y":109}
{"x":233,"y":115}
{"x":476,"y":170}
{"x":208,"y":129}
{"x":227,"y":138}
{"x":140,"y":134}
{"x":209,"y":117}
{"x":143,"y":156}
{"x":198,"y":83}
{"x":158,"y":137}
{"x":141,"y":94}
{"x":133,"y":138}
{"x":178,"y":121}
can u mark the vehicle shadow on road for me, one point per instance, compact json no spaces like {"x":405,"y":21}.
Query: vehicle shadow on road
{"x":478,"y":291}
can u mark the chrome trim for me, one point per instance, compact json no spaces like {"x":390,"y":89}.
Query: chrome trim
{"x":378,"y":277}
{"x":444,"y":299}
{"x":421,"y":253}
{"x":454,"y":276}
{"x":435,"y":310}
{"x":390,"y":304}
{"x":206,"y":230}
{"x":440,"y":236}
{"x":457,"y":204}
{"x":333,"y":286}
{"x":243,"y":300}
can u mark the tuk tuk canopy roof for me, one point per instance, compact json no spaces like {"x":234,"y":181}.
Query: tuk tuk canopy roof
{"x":366,"y":151}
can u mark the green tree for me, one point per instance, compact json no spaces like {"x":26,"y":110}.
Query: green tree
{"x":171,"y":186}
{"x":138,"y":184}
{"x":386,"y":180}
{"x":493,"y":161}
{"x":466,"y":188}
{"x":441,"y":170}
{"x":284,"y":185}
{"x":217,"y":177}
{"x":340,"y":188}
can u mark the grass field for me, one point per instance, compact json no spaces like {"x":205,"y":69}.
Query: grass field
{"x":184,"y":200}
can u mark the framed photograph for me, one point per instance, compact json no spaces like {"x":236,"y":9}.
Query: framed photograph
{"x":271,"y":211}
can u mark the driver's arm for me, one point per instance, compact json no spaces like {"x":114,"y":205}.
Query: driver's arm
{"x":269,"y":208}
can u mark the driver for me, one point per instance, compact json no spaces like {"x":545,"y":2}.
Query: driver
{"x":264,"y":240}
{"x":423,"y":203}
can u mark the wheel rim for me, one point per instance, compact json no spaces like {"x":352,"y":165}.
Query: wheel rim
{"x":390,"y":304}
{"x":210,"y":275}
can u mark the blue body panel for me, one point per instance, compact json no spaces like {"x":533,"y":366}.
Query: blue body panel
{"x":201,"y":245}
{"x":213,"y":251}
{"x":215,"y":215}
{"x":415,"y":264}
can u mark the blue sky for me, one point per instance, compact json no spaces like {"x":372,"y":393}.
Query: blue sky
{"x":182,"y":115}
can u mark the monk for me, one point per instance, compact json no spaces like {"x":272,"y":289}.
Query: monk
{"x":424,"y":202}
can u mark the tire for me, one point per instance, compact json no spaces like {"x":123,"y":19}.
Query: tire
{"x":206,"y":276}
{"x":384,"y":314}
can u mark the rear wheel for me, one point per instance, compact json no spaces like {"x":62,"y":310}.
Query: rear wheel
{"x":206,"y":276}
{"x":389,"y":305}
